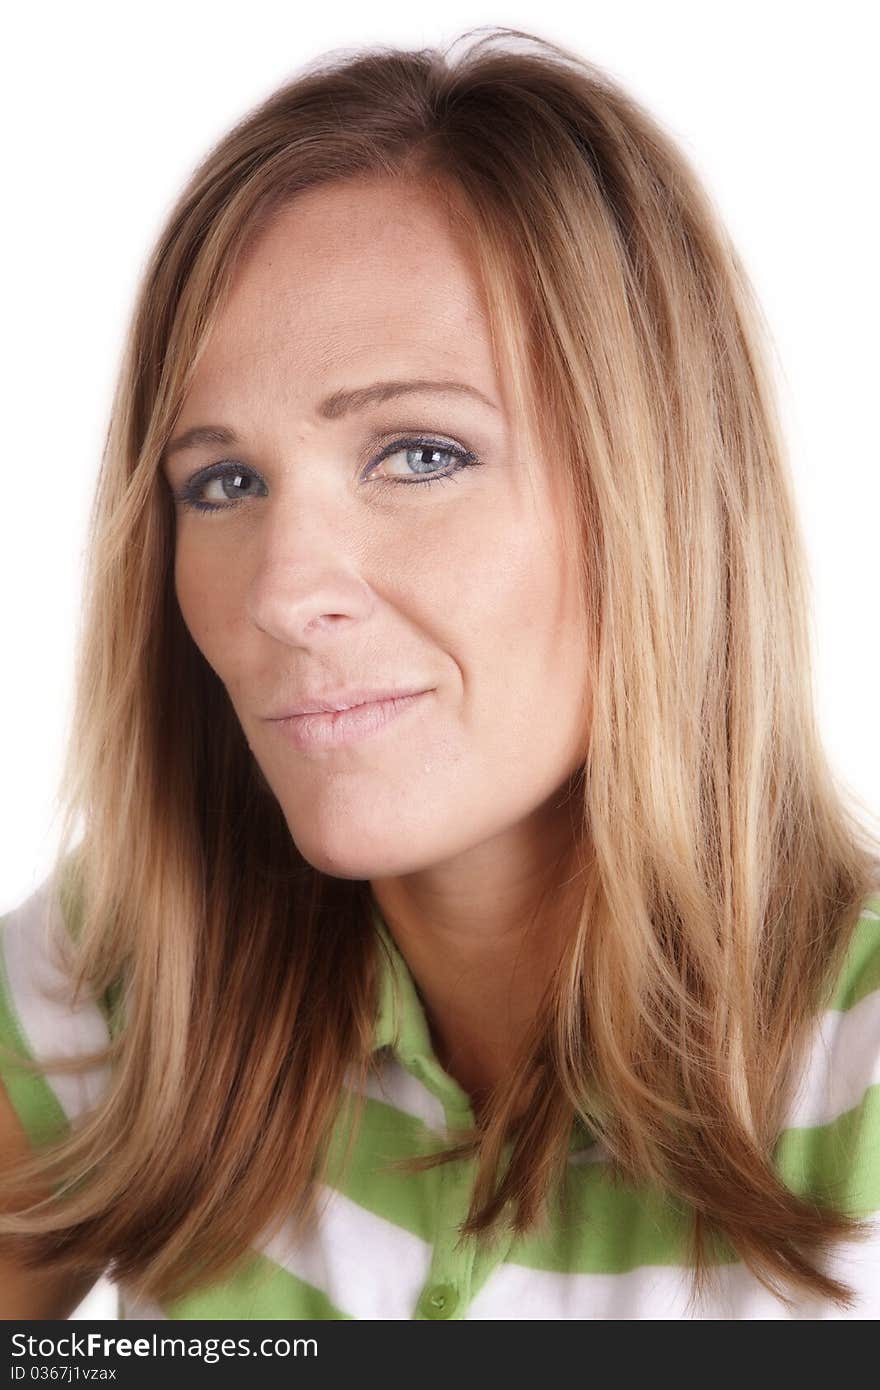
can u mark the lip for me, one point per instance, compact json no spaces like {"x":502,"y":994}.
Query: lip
{"x":344,"y":699}
{"x":337,"y":728}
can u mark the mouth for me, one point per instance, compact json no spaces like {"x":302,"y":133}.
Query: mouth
{"x":340,"y":728}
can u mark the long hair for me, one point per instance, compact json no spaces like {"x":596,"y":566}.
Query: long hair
{"x":721,"y":868}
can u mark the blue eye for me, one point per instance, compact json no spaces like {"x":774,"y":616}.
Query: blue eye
{"x":425,"y":473}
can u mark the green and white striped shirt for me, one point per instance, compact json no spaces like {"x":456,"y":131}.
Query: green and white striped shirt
{"x":385,"y":1244}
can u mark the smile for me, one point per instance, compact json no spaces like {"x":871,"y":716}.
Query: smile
{"x":339,"y":728}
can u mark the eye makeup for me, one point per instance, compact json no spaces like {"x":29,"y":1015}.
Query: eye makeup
{"x":190,"y":495}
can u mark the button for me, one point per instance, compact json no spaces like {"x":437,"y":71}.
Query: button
{"x":440,"y":1301}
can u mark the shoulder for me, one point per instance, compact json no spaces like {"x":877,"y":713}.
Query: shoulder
{"x":831,"y":1142}
{"x":860,"y":975}
{"x":40,"y":1017}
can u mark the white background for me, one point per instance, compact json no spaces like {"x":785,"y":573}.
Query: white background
{"x":108,"y":108}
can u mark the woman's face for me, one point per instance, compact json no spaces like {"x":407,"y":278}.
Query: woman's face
{"x":325,"y":568}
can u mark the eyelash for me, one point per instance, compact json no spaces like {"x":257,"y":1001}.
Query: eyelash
{"x":466,"y":458}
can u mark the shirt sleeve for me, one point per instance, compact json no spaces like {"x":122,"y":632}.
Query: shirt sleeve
{"x":39,"y":1018}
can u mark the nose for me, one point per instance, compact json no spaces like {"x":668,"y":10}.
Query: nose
{"x":309,"y":582}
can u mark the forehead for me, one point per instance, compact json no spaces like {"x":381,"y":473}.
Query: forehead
{"x":348,"y":274}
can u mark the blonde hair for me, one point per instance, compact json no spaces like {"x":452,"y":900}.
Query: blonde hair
{"x":722,"y":870}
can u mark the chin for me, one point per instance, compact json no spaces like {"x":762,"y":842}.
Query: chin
{"x":353,"y":861}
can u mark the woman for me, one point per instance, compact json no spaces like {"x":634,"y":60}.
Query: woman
{"x":467,"y":910}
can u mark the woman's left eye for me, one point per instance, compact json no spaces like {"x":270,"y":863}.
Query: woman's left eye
{"x":420,"y":466}
{"x":420,"y":455}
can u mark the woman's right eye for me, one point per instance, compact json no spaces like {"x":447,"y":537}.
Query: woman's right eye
{"x":240,"y":480}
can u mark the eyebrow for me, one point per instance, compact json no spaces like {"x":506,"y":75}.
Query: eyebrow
{"x":334,"y":406}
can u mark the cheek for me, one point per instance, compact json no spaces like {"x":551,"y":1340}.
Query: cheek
{"x":206,"y":594}
{"x":526,"y":653}
{"x":523,"y":608}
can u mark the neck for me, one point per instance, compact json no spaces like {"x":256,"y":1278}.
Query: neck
{"x":481,"y":958}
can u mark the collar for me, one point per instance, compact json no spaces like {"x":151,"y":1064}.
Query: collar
{"x":400,"y":1017}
